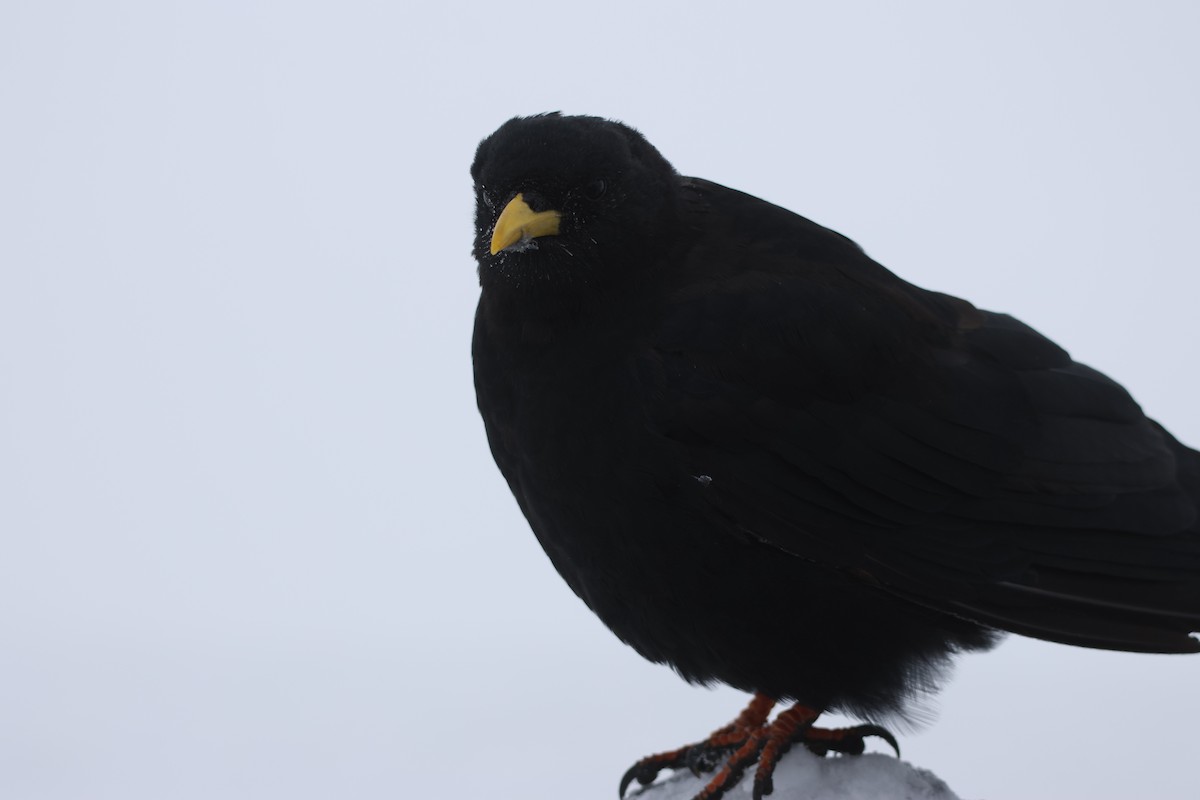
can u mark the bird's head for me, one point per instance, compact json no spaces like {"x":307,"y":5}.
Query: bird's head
{"x":567,"y":204}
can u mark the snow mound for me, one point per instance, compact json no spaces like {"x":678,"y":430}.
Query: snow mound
{"x":801,"y":775}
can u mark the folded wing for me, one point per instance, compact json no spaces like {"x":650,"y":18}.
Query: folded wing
{"x":954,"y":456}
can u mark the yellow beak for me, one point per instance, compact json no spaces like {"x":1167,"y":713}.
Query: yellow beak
{"x":519,"y":222}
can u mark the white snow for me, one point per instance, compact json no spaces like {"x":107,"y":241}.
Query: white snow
{"x":801,"y":775}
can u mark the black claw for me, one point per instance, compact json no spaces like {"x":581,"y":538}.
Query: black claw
{"x":882,"y":733}
{"x":641,"y":772}
{"x":629,"y":777}
{"x":646,"y":770}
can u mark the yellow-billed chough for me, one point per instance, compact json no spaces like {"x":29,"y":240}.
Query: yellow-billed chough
{"x":763,"y":459}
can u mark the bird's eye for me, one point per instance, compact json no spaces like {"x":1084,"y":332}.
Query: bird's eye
{"x":594,"y":189}
{"x":489,"y":199}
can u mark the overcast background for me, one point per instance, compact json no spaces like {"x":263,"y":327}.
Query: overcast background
{"x":252,"y":542}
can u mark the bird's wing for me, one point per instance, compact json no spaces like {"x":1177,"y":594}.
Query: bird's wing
{"x":954,"y":456}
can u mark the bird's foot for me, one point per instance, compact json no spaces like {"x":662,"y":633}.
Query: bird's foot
{"x":707,"y":755}
{"x":749,"y":739}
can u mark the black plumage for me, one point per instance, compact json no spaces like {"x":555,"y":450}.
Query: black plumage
{"x":763,"y":459}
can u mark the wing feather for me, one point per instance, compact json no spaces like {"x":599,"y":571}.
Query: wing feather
{"x":954,"y":456}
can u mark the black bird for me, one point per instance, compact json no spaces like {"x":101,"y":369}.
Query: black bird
{"x":763,"y":459}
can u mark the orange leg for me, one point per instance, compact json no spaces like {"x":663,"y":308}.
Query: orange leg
{"x":749,"y":739}
{"x":706,"y":755}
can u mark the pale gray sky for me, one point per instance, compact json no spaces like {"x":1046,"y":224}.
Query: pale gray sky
{"x":252,"y":543}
